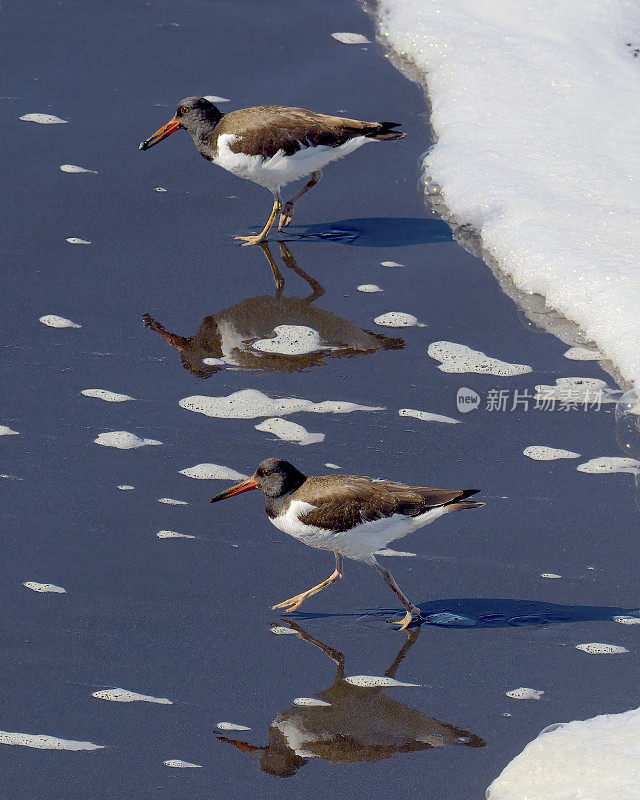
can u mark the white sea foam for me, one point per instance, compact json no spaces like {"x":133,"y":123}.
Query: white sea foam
{"x":41,"y":741}
{"x":582,"y":354}
{"x":309,"y":701}
{"x":282,"y":630}
{"x":447,"y":618}
{"x":6,"y":431}
{"x":106,"y":395}
{"x":44,"y":587}
{"x":539,"y":452}
{"x":525,"y":693}
{"x":123,"y":440}
{"x":608,"y":464}
{"x":369,"y":288}
{"x":173,"y":535}
{"x":623,"y":619}
{"x":577,"y":390}
{"x":456,"y":357}
{"x":43,"y":119}
{"x":390,"y":264}
{"x":125,"y":487}
{"x":369,"y":681}
{"x":550,"y":575}
{"x":76,"y":240}
{"x":54,"y":321}
{"x":179,"y":764}
{"x":171,"y":502}
{"x":350,"y":38}
{"x":250,"y":403}
{"x":593,"y":759}
{"x":291,"y":340}
{"x":599,"y":648}
{"x":160,"y":189}
{"x":72,"y":168}
{"x":125,"y":696}
{"x":231,"y":726}
{"x":213,"y":472}
{"x":332,"y":466}
{"x":426,"y":416}
{"x":398,"y":319}
{"x":289,"y":431}
{"x":536,"y":148}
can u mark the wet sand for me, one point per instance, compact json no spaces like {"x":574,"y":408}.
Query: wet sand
{"x":188,"y":619}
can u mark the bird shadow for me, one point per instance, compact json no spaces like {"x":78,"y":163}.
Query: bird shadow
{"x":491,"y":613}
{"x":372,"y":232}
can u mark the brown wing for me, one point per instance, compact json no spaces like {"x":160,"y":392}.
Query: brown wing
{"x":264,"y":130}
{"x":344,"y":501}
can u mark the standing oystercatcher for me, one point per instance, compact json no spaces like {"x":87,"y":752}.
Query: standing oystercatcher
{"x":271,"y":145}
{"x":350,"y":515}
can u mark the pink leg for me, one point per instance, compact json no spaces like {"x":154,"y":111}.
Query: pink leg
{"x":287,"y":211}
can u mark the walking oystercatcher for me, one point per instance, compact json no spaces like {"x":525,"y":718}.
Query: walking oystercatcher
{"x":350,"y":515}
{"x":271,"y":145}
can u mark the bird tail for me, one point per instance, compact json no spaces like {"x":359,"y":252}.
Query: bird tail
{"x":384,"y":133}
{"x":462,"y":503}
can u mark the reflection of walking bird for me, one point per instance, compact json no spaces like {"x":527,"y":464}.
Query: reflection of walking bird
{"x":246,"y":334}
{"x":272,"y":145}
{"x":354,"y":723}
{"x":350,"y":515}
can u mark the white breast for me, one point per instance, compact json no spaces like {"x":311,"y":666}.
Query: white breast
{"x":358,"y":543}
{"x":280,"y":169}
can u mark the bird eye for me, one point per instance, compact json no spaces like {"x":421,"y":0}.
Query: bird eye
{"x":183,"y":110}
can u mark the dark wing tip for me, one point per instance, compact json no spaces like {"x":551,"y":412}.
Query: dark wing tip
{"x":469,"y":493}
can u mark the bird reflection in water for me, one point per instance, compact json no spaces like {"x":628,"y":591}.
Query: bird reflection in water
{"x":243,"y":336}
{"x":359,"y":724}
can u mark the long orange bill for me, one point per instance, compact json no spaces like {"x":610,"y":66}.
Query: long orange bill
{"x":161,"y":134}
{"x":239,"y":488}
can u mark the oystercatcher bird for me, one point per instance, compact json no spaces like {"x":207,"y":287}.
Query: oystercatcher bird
{"x":350,"y":515}
{"x":272,"y":145}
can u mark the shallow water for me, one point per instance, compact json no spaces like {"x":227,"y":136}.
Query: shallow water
{"x":188,"y":619}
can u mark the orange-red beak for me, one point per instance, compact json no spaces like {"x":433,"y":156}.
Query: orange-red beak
{"x":161,"y":134}
{"x":239,"y":488}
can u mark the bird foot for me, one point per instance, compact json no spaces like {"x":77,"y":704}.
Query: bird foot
{"x":286,"y":216}
{"x":410,"y":618}
{"x":249,"y":240}
{"x":292,"y":604}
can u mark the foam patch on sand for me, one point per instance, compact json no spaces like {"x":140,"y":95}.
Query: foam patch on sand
{"x":623,"y":619}
{"x":523,"y":94}
{"x":123,"y":440}
{"x":54,"y":321}
{"x":73,"y":169}
{"x":609,"y":464}
{"x":350,"y":38}
{"x":455,"y":357}
{"x":369,"y":288}
{"x":594,"y":759}
{"x":525,"y":693}
{"x":550,"y":575}
{"x":213,"y":472}
{"x":173,"y":535}
{"x":426,"y":416}
{"x":600,"y":649}
{"x":6,"y":431}
{"x":179,"y":764}
{"x":171,"y":502}
{"x":44,"y":119}
{"x":44,"y":587}
{"x":582,"y":354}
{"x":289,"y":431}
{"x":41,"y":741}
{"x":76,"y":240}
{"x":390,"y":264}
{"x":577,"y":390}
{"x":106,"y":395}
{"x":125,"y":487}
{"x":231,"y":726}
{"x":291,"y":340}
{"x":371,"y":681}
{"x":398,"y":319}
{"x":250,"y":403}
{"x":125,"y":696}
{"x":539,"y":452}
